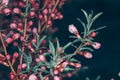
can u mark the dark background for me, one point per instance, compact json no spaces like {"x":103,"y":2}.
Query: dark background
{"x":105,"y":61}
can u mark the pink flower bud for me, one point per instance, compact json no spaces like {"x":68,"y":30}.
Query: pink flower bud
{"x":77,"y":65}
{"x":19,"y":67}
{"x":65,"y":64}
{"x":40,"y":51}
{"x":43,"y":68}
{"x":24,"y":65}
{"x":12,"y":76}
{"x":53,"y":15}
{"x":32,"y":77}
{"x":88,"y":55}
{"x":37,"y":59}
{"x":22,"y":39}
{"x":56,"y":78}
{"x":30,"y":23}
{"x":7,"y":11}
{"x":118,"y":74}
{"x":5,"y":2}
{"x":93,"y":34}
{"x":42,"y":58}
{"x":15,"y":44}
{"x":61,"y":16}
{"x":16,"y":36}
{"x":69,"y":74}
{"x":56,"y":71}
{"x":34,"y":30}
{"x":8,"y":57}
{"x":9,"y":40}
{"x":16,"y":10}
{"x":15,"y":55}
{"x":45,"y":11}
{"x":13,"y":26}
{"x":40,"y":16}
{"x":72,"y":29}
{"x":61,"y":69}
{"x":49,"y":22}
{"x":96,"y":45}
{"x":32,"y":14}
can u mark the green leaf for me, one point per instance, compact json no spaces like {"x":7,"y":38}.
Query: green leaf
{"x":58,"y":44}
{"x":86,"y":15}
{"x":52,"y":49}
{"x":84,"y":26}
{"x":87,"y":48}
{"x":67,"y":45}
{"x":96,"y":16}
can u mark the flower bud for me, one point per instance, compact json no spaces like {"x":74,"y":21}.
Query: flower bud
{"x":16,"y":10}
{"x":42,"y":58}
{"x":77,"y":65}
{"x":45,"y":11}
{"x":16,"y":36}
{"x":7,"y":11}
{"x":15,"y":55}
{"x":88,"y":55}
{"x":56,"y":71}
{"x":4,"y":2}
{"x":32,"y":77}
{"x":24,"y":65}
{"x":72,"y":29}
{"x":9,"y":40}
{"x":93,"y":34}
{"x":13,"y":26}
{"x":56,"y":78}
{"x":96,"y":45}
{"x":8,"y":57}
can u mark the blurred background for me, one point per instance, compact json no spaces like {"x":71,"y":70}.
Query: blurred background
{"x":105,"y":61}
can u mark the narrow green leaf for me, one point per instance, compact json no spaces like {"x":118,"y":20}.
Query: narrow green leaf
{"x":58,"y":44}
{"x":86,"y":15}
{"x":52,"y":49}
{"x":84,"y":26}
{"x":67,"y":45}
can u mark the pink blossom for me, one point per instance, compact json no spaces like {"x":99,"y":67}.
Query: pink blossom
{"x":77,"y":65}
{"x":96,"y":45}
{"x":16,"y":10}
{"x":56,"y":71}
{"x":37,"y":59}
{"x":65,"y":64}
{"x":42,"y":58}
{"x":45,"y":11}
{"x":24,"y":65}
{"x":7,"y":11}
{"x":16,"y":36}
{"x":56,"y":78}
{"x":72,"y":29}
{"x":88,"y":55}
{"x":13,"y":26}
{"x":8,"y":57}
{"x":9,"y":40}
{"x":15,"y":55}
{"x":5,"y":2}
{"x":32,"y":77}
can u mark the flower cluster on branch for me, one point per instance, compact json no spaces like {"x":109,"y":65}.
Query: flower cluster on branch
{"x":25,"y":47}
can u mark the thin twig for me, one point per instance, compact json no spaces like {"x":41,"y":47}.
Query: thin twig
{"x":5,"y":50}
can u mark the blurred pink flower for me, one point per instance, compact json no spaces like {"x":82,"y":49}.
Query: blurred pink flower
{"x":96,"y":45}
{"x":32,"y":77}
{"x":88,"y":55}
{"x":72,"y":29}
{"x":5,"y":2}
